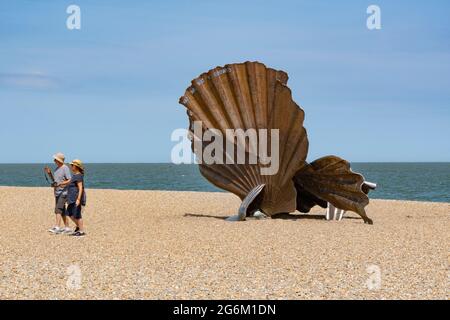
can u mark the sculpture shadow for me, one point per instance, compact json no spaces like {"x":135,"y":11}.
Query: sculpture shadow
{"x":198,"y":215}
{"x":282,"y":216}
{"x":288,"y":216}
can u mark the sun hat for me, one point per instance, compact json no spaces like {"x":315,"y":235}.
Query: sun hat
{"x":77,"y":163}
{"x":59,"y":157}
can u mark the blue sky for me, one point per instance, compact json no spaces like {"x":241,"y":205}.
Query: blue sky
{"x":109,"y":92}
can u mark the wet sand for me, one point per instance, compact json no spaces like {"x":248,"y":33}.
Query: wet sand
{"x":177,"y":245}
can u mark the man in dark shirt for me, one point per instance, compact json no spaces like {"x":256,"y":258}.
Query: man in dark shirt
{"x":76,"y":196}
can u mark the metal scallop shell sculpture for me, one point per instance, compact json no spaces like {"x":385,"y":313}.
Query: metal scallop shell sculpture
{"x":243,"y":101}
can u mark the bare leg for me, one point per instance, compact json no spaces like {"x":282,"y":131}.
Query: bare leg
{"x":66,"y":221}
{"x":74,"y":221}
{"x":80,"y":225}
{"x":58,"y":220}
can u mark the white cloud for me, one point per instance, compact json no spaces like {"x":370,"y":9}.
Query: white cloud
{"x":33,"y":80}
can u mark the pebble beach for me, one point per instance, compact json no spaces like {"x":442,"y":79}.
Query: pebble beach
{"x":177,"y":245}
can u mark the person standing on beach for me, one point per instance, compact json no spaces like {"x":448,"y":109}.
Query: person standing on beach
{"x":61,"y":174}
{"x":76,"y":196}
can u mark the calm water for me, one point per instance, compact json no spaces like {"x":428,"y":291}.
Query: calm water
{"x":409,"y":181}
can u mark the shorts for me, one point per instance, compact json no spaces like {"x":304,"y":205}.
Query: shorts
{"x":60,"y":204}
{"x":74,"y":211}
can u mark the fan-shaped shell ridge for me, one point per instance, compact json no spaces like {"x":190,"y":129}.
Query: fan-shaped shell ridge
{"x":250,"y":96}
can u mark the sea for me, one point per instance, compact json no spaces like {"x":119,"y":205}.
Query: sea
{"x":403,"y":181}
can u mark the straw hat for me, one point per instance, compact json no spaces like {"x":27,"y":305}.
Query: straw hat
{"x":78,"y":163}
{"x":59,"y":157}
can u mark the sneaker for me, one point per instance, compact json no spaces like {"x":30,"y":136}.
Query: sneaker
{"x":60,"y":231}
{"x":66,"y":230}
{"x":54,"y":230}
{"x":76,"y":229}
{"x":79,"y":234}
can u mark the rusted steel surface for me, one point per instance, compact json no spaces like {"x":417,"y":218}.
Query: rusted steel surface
{"x":251,"y":96}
